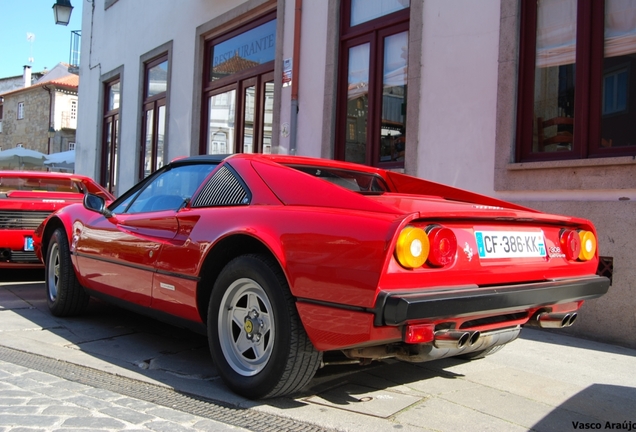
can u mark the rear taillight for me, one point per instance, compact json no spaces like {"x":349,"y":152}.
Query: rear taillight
{"x":570,"y":244}
{"x":443,"y":246}
{"x":415,"y":247}
{"x":588,"y":245}
{"x":578,"y":245}
{"x":412,"y":247}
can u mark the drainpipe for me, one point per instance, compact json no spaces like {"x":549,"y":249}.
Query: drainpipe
{"x":295,"y":75}
{"x":48,"y":89}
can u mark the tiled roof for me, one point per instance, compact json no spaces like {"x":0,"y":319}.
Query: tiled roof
{"x":233,"y":65}
{"x":70,"y":81}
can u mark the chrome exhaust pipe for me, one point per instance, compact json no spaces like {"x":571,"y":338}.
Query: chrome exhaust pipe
{"x":554,"y":320}
{"x":474,"y":338}
{"x":452,"y":339}
{"x":573,"y":317}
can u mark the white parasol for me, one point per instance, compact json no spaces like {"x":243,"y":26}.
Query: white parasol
{"x":20,"y":158}
{"x":62,"y":160}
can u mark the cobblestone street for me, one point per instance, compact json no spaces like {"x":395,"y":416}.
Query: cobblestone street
{"x":40,"y":401}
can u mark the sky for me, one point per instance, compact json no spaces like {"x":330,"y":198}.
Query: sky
{"x":51,"y":44}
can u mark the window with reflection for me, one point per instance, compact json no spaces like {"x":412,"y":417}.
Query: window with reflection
{"x":110,"y":135}
{"x":371,"y":118}
{"x":239,"y":89}
{"x":577,"y":91}
{"x":152,"y":147}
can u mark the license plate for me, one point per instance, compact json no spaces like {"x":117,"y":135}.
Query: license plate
{"x":510,"y":244}
{"x":28,"y":243}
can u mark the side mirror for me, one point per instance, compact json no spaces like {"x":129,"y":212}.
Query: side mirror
{"x":97,"y":204}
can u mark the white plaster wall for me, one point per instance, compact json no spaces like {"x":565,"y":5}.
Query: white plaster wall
{"x":312,"y":78}
{"x":457,"y":108}
{"x":119,"y":36}
{"x":285,"y":93}
{"x":62,"y":108}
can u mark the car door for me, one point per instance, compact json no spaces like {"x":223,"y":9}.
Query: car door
{"x":117,"y":255}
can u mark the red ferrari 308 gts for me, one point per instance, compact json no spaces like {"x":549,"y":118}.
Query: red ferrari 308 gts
{"x":26,"y":199}
{"x":279,"y":259}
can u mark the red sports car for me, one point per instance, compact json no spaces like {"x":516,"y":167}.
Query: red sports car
{"x":279,"y":259}
{"x":26,"y":199}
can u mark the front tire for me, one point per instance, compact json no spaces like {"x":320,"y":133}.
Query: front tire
{"x":257,"y":341}
{"x":64,"y":295}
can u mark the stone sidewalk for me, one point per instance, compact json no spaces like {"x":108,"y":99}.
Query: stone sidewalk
{"x":37,"y":401}
{"x":545,"y":381}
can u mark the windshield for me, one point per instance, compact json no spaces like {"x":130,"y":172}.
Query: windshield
{"x":38,"y":184}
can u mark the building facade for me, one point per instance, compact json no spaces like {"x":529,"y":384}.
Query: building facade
{"x":41,"y":116}
{"x":478,"y":95}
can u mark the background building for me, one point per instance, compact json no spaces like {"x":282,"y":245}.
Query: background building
{"x":532,"y":102}
{"x":41,"y":115}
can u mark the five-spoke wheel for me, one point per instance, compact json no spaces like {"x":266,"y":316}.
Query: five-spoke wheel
{"x":257,"y":341}
{"x":245,"y":322}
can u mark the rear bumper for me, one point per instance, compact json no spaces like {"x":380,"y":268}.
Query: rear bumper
{"x":395,"y":308}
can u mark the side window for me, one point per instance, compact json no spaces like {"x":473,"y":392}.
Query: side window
{"x":223,"y":189}
{"x":168,"y":190}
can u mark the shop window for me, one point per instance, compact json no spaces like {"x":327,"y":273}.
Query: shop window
{"x":576,"y":93}
{"x":110,"y":135}
{"x":238,"y":90}
{"x":371,"y":118}
{"x":154,"y":115}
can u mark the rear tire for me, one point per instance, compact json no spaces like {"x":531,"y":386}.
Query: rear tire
{"x":64,"y":295}
{"x":257,"y":341}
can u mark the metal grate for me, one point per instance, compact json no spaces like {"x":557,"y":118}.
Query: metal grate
{"x":24,"y":257}
{"x":17,"y":219}
{"x":181,"y":401}
{"x":223,"y":189}
{"x":605,"y":267}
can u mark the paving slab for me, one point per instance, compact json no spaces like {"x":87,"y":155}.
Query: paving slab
{"x":444,"y":415}
{"x":365,"y":400}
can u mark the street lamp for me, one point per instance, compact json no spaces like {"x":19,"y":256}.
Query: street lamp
{"x":62,"y":11}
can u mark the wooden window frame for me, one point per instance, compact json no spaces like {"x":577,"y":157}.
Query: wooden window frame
{"x":110,"y":122}
{"x":258,"y":75}
{"x":590,"y":22}
{"x":152,"y":103}
{"x":373,"y":32}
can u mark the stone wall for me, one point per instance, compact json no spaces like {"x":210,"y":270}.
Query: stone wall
{"x":32,"y":130}
{"x":611,"y":318}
